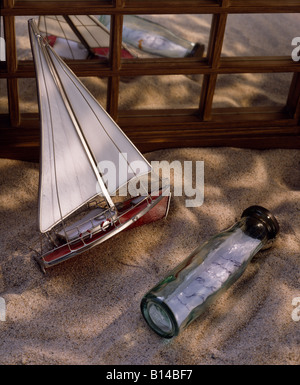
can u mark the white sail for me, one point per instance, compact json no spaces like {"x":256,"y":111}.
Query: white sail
{"x":77,"y":134}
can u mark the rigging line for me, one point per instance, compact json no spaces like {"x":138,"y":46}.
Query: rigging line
{"x":52,"y":133}
{"x":55,"y":19}
{"x":95,"y":22}
{"x":67,"y":40}
{"x":35,"y":35}
{"x":46,"y":27}
{"x":65,"y":36}
{"x":78,"y":34}
{"x":82,"y":138}
{"x":85,"y":27}
{"x":115,"y":144}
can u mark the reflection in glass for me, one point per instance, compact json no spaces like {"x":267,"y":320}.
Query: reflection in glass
{"x":260,"y":34}
{"x":97,"y":87}
{"x":22,"y":37}
{"x":151,"y":37}
{"x":77,"y":37}
{"x":72,"y":37}
{"x":160,"y":92}
{"x":252,"y":90}
{"x":87,"y":36}
{"x":172,"y":36}
{"x":2,"y":41}
{"x":28,"y":95}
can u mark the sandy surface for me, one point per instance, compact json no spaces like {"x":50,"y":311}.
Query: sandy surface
{"x":86,"y":310}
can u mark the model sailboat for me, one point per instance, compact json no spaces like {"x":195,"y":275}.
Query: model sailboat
{"x":77,"y":206}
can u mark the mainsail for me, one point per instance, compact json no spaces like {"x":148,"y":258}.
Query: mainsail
{"x":76,"y":136}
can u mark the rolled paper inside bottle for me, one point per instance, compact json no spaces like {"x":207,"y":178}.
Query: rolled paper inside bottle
{"x":211,"y":268}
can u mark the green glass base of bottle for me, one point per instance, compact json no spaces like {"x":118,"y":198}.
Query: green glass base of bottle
{"x":159,"y":317}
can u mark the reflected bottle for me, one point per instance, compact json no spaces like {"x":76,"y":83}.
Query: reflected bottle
{"x":153,"y":38}
{"x":208,"y":271}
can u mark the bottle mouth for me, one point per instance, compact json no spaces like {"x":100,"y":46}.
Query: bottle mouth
{"x":266,"y":217}
{"x":159,"y":317}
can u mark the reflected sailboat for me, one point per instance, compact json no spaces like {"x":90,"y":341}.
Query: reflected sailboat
{"x":78,"y":37}
{"x":78,"y":207}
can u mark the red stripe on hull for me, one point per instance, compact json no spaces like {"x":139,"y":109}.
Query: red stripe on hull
{"x":156,"y":213}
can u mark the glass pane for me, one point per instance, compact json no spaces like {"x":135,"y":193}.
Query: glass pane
{"x":97,"y":87}
{"x":22,"y":37}
{"x":260,"y":34}
{"x":28,"y":95}
{"x":174,"y":36}
{"x":252,"y":90}
{"x":3,"y":97}
{"x":160,"y":92}
{"x":2,"y":41}
{"x":63,"y":1}
{"x":78,"y":37}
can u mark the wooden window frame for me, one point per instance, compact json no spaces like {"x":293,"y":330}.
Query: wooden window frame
{"x":266,"y":127}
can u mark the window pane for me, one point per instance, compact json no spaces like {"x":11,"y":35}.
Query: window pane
{"x":3,"y":97}
{"x":160,"y":92}
{"x":252,"y":90}
{"x":22,"y":37}
{"x":28,"y":95}
{"x":174,"y":36}
{"x":97,"y":87}
{"x":260,"y":34}
{"x":2,"y":41}
{"x":74,"y":37}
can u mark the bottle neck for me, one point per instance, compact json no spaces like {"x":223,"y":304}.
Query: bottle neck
{"x":255,"y":229}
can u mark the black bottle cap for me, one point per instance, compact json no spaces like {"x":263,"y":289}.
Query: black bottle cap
{"x":197,"y":50}
{"x":266,"y":217}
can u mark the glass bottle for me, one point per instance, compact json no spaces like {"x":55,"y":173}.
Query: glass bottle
{"x":153,"y":38}
{"x":208,"y":271}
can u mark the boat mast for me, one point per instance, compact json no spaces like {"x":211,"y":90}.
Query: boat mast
{"x":78,"y":129}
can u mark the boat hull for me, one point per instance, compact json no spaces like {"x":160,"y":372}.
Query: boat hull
{"x":143,"y":213}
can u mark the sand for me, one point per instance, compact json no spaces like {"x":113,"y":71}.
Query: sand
{"x":86,"y":310}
